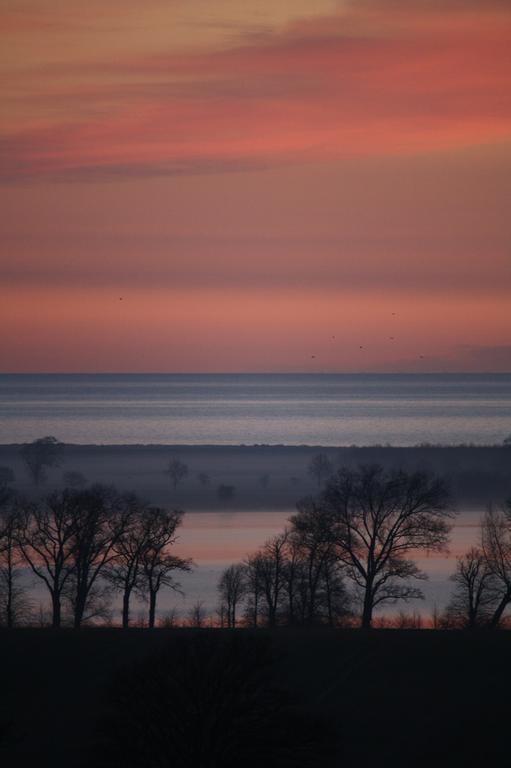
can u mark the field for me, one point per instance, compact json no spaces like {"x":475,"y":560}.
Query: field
{"x":477,"y":474}
{"x":392,"y":698}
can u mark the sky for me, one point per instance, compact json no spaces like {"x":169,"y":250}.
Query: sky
{"x":266,"y":185}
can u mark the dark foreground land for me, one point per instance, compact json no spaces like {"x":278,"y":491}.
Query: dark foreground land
{"x":385,"y":698}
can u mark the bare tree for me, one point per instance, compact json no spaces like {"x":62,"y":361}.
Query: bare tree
{"x":41,"y":453}
{"x":158,"y":565}
{"x":271,"y":568}
{"x":313,"y":538}
{"x":170,"y":620}
{"x":45,"y":538}
{"x":320,"y":468}
{"x":177,"y":471}
{"x":100,"y":518}
{"x":197,"y":615}
{"x":376,"y":519}
{"x":125,"y":570}
{"x":496,"y":547}
{"x":254,"y":588}
{"x":405,"y":620}
{"x":292,"y":580}
{"x":264,"y":480}
{"x":475,"y":593}
{"x":13,"y":596}
{"x":232,"y":588}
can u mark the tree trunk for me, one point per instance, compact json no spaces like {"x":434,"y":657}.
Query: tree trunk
{"x":329,"y":599}
{"x":367,"y":613}
{"x":9,"y":603}
{"x":9,"y":606}
{"x":291,"y":604}
{"x":495,"y":619}
{"x":56,"y":612}
{"x":126,"y":607}
{"x":152,"y":608}
{"x":79,"y":611}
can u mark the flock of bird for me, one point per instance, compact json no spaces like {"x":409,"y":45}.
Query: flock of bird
{"x":361,"y":346}
{"x":313,"y":357}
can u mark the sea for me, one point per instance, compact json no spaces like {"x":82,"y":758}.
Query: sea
{"x":280,"y":409}
{"x":285,"y":409}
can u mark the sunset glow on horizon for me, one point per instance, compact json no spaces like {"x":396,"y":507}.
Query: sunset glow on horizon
{"x":266,"y":186}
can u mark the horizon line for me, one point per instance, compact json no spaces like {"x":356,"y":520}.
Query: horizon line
{"x":255,"y":373}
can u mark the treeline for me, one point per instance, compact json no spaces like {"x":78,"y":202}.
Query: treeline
{"x":83,"y":545}
{"x":350,"y":550}
{"x":347,"y":552}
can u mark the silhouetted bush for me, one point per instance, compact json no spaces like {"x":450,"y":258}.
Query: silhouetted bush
{"x":40,"y":454}
{"x":225,"y":492}
{"x":207,"y":701}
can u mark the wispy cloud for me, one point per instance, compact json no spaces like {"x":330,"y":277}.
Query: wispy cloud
{"x":358,"y":83}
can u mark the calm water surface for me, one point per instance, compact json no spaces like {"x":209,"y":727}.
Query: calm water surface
{"x":217,"y":539}
{"x":314,"y":409}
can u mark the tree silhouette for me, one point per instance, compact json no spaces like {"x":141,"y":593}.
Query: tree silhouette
{"x":203,"y":478}
{"x":177,"y":471}
{"x":271,"y":570}
{"x":496,"y":546}
{"x":317,"y":583}
{"x":197,"y":615}
{"x":13,"y":599}
{"x":225,"y":492}
{"x":295,"y":580}
{"x":254,"y":588}
{"x":320,"y":468}
{"x":475,"y":593}
{"x":208,"y":700}
{"x":42,"y":453}
{"x":46,"y":537}
{"x":158,"y":565}
{"x":376,"y":519}
{"x":125,"y":570}
{"x":100,"y":518}
{"x":232,"y":588}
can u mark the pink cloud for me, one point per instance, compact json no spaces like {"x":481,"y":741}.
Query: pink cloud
{"x":312,"y":92}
